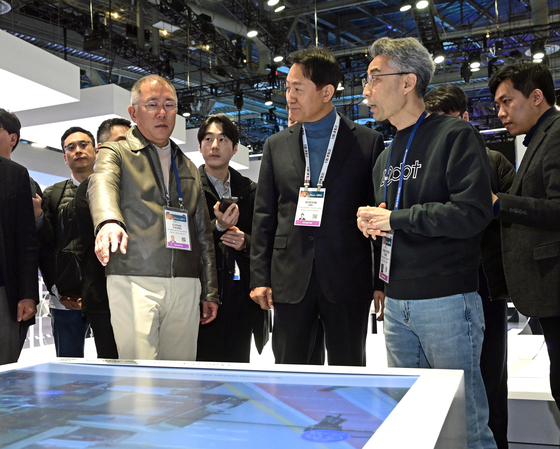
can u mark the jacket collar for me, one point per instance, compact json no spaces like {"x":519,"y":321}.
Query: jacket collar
{"x":345,"y":141}
{"x":239,"y":183}
{"x":534,"y":145}
{"x":137,"y":142}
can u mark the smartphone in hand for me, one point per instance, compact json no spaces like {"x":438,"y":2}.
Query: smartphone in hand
{"x":227,"y":201}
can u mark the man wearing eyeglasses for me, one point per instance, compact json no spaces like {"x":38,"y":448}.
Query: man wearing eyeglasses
{"x":62,"y":272}
{"x":433,"y":197}
{"x":143,"y":192}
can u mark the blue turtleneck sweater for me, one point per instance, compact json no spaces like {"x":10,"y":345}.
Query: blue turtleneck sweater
{"x":318,"y":135}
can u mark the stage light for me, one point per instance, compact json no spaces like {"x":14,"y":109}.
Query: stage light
{"x":538,"y":51}
{"x":268,"y":98}
{"x":474,"y":61}
{"x":422,"y":4}
{"x":405,"y":5}
{"x":252,"y":33}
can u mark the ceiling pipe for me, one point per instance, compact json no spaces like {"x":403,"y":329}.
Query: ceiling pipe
{"x":236,"y":27}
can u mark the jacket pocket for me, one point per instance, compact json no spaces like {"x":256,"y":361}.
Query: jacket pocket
{"x":546,"y":251}
{"x":280,"y":242}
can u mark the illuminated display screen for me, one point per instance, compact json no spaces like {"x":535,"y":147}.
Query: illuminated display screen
{"x":66,"y":405}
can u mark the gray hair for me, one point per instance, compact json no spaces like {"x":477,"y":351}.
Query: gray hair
{"x":159,"y":80}
{"x":407,"y":55}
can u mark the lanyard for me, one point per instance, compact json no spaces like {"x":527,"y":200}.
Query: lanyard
{"x":397,"y":200}
{"x":334,"y":132}
{"x":178,"y":184}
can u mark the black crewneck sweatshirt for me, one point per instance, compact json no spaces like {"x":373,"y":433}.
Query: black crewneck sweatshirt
{"x":445,"y":205}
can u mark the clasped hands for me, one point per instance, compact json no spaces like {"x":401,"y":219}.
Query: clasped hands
{"x":374,"y":221}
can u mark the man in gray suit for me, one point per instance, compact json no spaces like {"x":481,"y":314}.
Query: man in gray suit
{"x":530,"y":213}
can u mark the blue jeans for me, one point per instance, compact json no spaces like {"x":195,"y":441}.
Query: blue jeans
{"x":69,"y":332}
{"x":443,"y":333}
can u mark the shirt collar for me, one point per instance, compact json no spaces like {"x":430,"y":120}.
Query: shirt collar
{"x":74,"y":181}
{"x":533,"y":130}
{"x":223,"y":189}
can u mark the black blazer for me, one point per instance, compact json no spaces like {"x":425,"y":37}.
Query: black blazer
{"x":18,"y":238}
{"x":530,"y":216}
{"x":282,"y":255}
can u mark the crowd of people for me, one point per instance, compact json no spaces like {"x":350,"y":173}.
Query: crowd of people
{"x":169,"y":262}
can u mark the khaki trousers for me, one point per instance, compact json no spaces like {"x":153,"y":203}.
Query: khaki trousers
{"x":155,"y":318}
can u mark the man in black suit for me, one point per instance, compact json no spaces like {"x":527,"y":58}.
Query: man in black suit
{"x":19,"y":293}
{"x":530,"y":213}
{"x":318,"y":267}
{"x":228,"y":337}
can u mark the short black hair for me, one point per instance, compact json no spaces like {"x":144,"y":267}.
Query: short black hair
{"x":525,"y":77}
{"x":228,"y":128}
{"x":319,"y":66}
{"x":107,"y":125}
{"x":10,"y":122}
{"x":75,"y":129}
{"x":447,"y":98}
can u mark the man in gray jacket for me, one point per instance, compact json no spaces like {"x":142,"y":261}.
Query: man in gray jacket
{"x":524,"y":96}
{"x":146,"y":201}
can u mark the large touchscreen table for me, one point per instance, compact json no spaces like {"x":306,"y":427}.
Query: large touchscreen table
{"x":69,"y":405}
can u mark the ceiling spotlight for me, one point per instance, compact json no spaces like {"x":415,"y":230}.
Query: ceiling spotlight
{"x":280,"y":7}
{"x":278,"y":58}
{"x":438,"y":59}
{"x":268,"y":98}
{"x":272,"y":2}
{"x":475,"y":69}
{"x":405,"y":5}
{"x":115,"y":15}
{"x":537,"y":60}
{"x":465,"y":72}
{"x":340,"y":87}
{"x":474,"y":61}
{"x":422,"y":4}
{"x":252,"y":33}
{"x":538,"y":51}
{"x":186,"y":114}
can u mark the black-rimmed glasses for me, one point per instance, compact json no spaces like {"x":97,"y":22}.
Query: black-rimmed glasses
{"x":372,"y":78}
{"x":83,"y":144}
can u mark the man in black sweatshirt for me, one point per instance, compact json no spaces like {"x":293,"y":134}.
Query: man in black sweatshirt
{"x":432,"y":189}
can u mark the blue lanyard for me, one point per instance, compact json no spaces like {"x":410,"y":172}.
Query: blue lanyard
{"x":178,"y":183}
{"x":410,"y":139}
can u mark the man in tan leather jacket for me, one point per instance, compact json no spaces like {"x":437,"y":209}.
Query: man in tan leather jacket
{"x":153,"y":233}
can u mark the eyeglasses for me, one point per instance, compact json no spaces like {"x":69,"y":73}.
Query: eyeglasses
{"x":152,"y":106}
{"x":371,"y":79}
{"x":83,"y":144}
